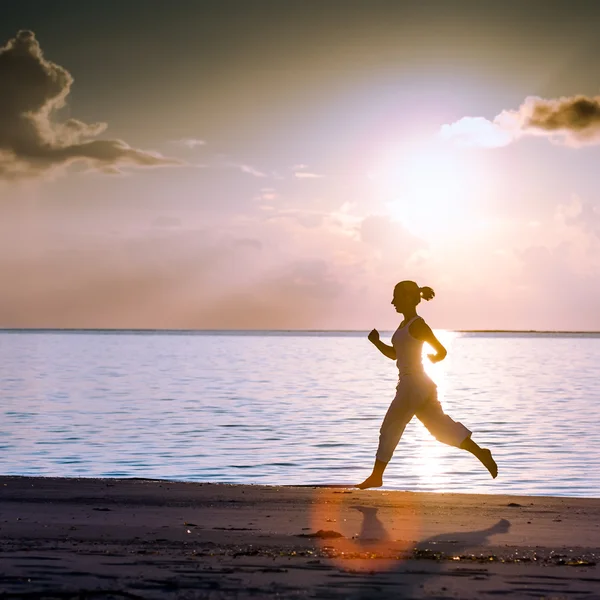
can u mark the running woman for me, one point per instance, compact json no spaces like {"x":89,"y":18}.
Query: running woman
{"x":416,"y":393}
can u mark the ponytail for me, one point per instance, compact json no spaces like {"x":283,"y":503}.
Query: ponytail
{"x":426,"y":293}
{"x":414,"y":291}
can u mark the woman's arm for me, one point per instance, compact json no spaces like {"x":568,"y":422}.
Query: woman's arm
{"x":423,"y":332}
{"x":383,"y":348}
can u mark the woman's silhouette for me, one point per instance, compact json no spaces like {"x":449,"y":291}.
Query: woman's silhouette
{"x":416,"y":394}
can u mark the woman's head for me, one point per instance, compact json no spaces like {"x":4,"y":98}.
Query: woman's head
{"x":407,"y":294}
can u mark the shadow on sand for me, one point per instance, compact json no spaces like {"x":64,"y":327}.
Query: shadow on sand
{"x":429,"y":559}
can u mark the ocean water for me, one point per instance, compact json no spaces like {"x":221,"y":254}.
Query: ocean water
{"x":296,"y":408}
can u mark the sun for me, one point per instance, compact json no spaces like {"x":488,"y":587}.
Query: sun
{"x":432,"y":190}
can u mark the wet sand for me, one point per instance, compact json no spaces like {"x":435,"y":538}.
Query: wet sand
{"x":133,"y":538}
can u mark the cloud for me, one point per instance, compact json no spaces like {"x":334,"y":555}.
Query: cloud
{"x":305,"y":218}
{"x":190,"y":143}
{"x":556,"y":278}
{"x":197,"y":278}
{"x":33,"y":89}
{"x":477,"y":131}
{"x":582,"y":214}
{"x":89,"y":279}
{"x":166,"y":222}
{"x":305,"y":175}
{"x":267,"y":194}
{"x":572,"y":120}
{"x":565,"y":294}
{"x":252,"y":171}
{"x":577,"y":117}
{"x":248,"y":243}
{"x":301,"y":173}
{"x":299,"y":295}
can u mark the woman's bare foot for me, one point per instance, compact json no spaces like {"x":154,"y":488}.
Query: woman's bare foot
{"x":483,"y":455}
{"x":370,"y":482}
{"x":488,"y":461}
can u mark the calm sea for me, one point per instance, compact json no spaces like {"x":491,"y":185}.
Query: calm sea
{"x":296,"y":408}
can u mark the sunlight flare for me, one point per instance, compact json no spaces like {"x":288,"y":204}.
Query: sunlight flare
{"x":432,"y":190}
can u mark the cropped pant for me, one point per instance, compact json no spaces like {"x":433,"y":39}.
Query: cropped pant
{"x":416,"y":395}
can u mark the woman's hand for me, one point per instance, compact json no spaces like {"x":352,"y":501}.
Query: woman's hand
{"x":383,"y":348}
{"x":436,"y":357}
{"x":373,"y":337}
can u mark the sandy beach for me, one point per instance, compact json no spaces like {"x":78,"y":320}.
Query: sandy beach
{"x":134,"y":538}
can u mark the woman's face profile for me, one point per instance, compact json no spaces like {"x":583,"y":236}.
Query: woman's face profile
{"x":403,"y":298}
{"x":399,"y":299}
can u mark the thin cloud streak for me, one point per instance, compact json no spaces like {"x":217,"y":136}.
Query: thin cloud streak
{"x":305,"y":175}
{"x":252,"y":171}
{"x":300,"y":172}
{"x":190,"y":143}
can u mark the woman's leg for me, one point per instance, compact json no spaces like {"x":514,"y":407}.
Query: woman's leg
{"x":400,"y":412}
{"x":453,"y":433}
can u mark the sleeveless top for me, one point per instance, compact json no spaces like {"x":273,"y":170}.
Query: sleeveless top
{"x":409,"y":350}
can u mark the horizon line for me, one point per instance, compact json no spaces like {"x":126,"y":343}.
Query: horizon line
{"x":257,"y":330}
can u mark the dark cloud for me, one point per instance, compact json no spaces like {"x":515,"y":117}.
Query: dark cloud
{"x":32,"y":90}
{"x":578,"y":116}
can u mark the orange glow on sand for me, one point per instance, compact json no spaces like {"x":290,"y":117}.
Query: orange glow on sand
{"x":359,"y":536}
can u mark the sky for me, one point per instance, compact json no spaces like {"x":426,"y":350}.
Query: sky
{"x":281,"y":165}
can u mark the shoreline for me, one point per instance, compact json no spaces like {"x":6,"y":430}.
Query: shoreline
{"x":168,"y":539}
